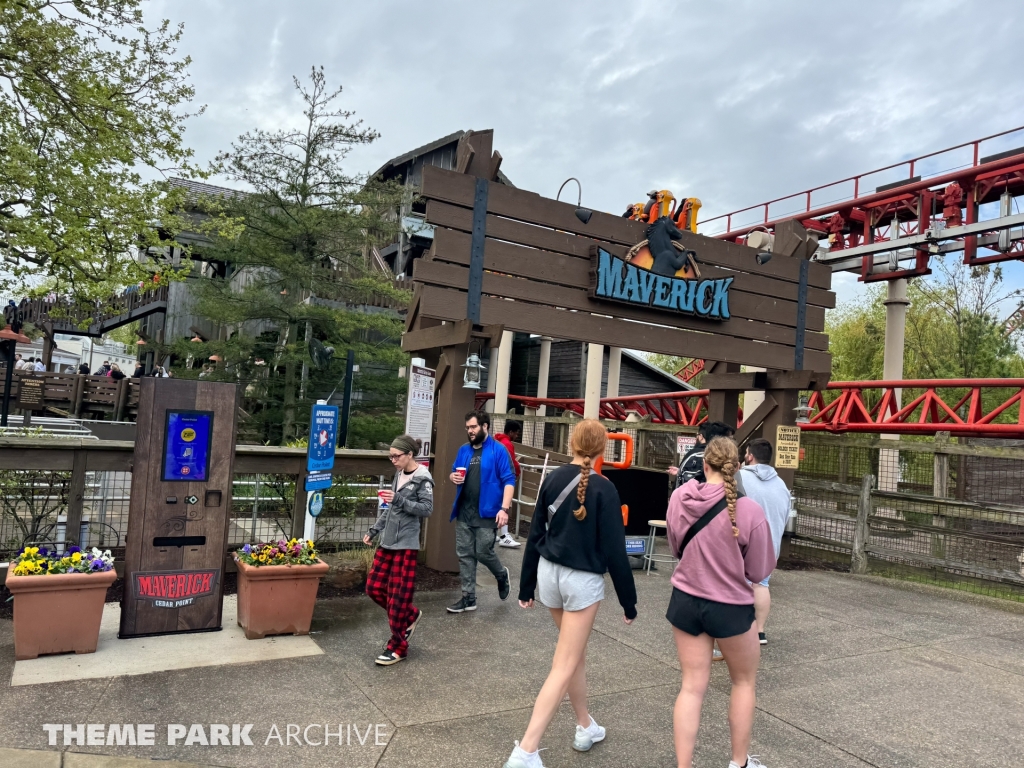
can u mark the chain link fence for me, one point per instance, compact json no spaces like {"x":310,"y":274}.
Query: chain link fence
{"x":34,"y":504}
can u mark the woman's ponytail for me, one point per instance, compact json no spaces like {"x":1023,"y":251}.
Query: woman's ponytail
{"x":581,"y":490}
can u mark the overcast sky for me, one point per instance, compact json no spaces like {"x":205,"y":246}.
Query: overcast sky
{"x":732,"y":102}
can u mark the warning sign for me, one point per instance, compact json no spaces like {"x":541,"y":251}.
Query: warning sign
{"x":787,"y":447}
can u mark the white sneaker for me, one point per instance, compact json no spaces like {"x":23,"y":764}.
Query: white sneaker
{"x":752,"y":762}
{"x":521,"y":759}
{"x":508,"y":541}
{"x":588,"y":737}
{"x":716,"y":655}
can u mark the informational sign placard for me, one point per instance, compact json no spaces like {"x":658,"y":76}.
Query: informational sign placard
{"x":316,"y":503}
{"x":635,"y":546}
{"x":323,"y":438}
{"x":318,"y":481}
{"x":187,"y":446}
{"x":787,"y":447}
{"x":419,"y":416}
{"x":30,"y":394}
{"x":685,"y":443}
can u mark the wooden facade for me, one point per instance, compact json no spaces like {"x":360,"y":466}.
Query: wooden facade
{"x":507,"y":258}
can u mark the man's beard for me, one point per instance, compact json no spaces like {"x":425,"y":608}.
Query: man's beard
{"x":478,"y":439}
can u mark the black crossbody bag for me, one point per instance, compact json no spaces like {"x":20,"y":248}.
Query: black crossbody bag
{"x":699,"y":526}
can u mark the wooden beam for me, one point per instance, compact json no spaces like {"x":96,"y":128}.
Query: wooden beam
{"x":76,"y":500}
{"x":747,"y":310}
{"x":453,"y":244}
{"x":753,"y":421}
{"x":450,"y":334}
{"x":445,"y":304}
{"x":521,"y":205}
{"x":742,"y":382}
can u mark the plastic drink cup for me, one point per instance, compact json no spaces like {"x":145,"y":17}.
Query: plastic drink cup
{"x":461,"y":472}
{"x":382,"y":502}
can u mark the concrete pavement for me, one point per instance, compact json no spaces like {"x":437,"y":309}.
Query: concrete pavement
{"x":859,"y":672}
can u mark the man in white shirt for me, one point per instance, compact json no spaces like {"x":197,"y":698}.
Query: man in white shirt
{"x":759,"y":481}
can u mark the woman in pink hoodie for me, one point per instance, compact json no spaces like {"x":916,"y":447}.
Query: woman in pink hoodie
{"x":712,"y":596}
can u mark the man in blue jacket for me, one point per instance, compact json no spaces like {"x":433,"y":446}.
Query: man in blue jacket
{"x":486,"y":481}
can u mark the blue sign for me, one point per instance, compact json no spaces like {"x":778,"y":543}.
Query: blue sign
{"x":618,"y":280}
{"x":187,"y":446}
{"x":316,"y":504}
{"x":323,"y":438}
{"x":636,"y":546}
{"x":318,"y":481}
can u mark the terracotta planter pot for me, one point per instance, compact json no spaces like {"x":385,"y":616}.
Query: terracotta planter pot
{"x":277,"y":599}
{"x":58,"y":613}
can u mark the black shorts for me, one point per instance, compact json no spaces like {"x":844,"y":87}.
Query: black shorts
{"x":695,"y":616}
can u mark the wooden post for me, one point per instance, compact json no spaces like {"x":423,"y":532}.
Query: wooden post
{"x":784,"y":413}
{"x":940,"y":490}
{"x":76,"y":500}
{"x":940,"y":472}
{"x":78,"y":393}
{"x":299,"y":507}
{"x":452,"y":401}
{"x":859,"y":553}
{"x":723,"y":405}
{"x":121,"y":398}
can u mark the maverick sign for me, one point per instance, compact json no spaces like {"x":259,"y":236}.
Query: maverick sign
{"x":175,"y":589}
{"x":615,"y":279}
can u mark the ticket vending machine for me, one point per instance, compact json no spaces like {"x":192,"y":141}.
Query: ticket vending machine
{"x":180,"y":504}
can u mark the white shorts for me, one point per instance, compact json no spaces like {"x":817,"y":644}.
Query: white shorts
{"x":567,"y":588}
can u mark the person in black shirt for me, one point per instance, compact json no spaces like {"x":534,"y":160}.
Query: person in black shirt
{"x":692,"y":465}
{"x":576,"y":535}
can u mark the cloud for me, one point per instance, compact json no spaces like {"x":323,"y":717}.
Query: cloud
{"x":732,"y":102}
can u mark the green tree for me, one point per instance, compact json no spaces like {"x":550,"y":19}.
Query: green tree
{"x":91,"y":106}
{"x":295,"y":266}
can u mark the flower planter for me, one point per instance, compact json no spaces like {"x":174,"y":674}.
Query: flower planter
{"x":277,"y":599}
{"x":58,"y":613}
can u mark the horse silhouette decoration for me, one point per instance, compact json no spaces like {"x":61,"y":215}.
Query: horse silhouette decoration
{"x":668,"y":259}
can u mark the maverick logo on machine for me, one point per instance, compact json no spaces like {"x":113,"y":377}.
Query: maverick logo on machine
{"x":617,"y":280}
{"x":175,"y":589}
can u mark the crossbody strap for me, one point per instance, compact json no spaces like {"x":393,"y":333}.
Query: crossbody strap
{"x":701,"y":524}
{"x":553,"y":507}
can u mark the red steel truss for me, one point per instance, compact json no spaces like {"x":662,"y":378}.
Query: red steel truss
{"x":966,"y":407}
{"x":683,"y":408}
{"x":940,"y":189}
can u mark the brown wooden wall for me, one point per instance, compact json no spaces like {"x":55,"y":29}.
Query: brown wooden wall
{"x":538,"y":255}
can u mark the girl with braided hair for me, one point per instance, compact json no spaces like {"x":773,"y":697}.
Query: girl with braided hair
{"x":577,"y":534}
{"x":712,"y":597}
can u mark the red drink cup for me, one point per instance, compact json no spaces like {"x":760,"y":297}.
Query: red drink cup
{"x":380,"y":495}
{"x":461,"y":472}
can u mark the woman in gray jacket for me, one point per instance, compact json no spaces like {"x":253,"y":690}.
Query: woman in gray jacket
{"x":392,"y":576}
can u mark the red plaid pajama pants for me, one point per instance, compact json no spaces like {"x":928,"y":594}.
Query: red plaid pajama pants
{"x":390,"y":585}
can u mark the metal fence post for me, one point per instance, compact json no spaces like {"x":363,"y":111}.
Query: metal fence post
{"x":859,"y":553}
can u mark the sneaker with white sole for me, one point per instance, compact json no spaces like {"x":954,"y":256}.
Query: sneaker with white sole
{"x":588,"y":737}
{"x":388,"y":658}
{"x":716,"y":655}
{"x":752,"y":762}
{"x":467,"y":603}
{"x":508,"y":541}
{"x":412,"y":627}
{"x":762,"y":639}
{"x":521,"y":759}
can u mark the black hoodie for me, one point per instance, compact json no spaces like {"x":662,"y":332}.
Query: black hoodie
{"x":595,"y":544}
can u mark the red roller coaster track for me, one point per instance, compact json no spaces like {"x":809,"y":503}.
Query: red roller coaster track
{"x":965,"y":407}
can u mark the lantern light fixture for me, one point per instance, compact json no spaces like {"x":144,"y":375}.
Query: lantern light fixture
{"x":472,"y":376}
